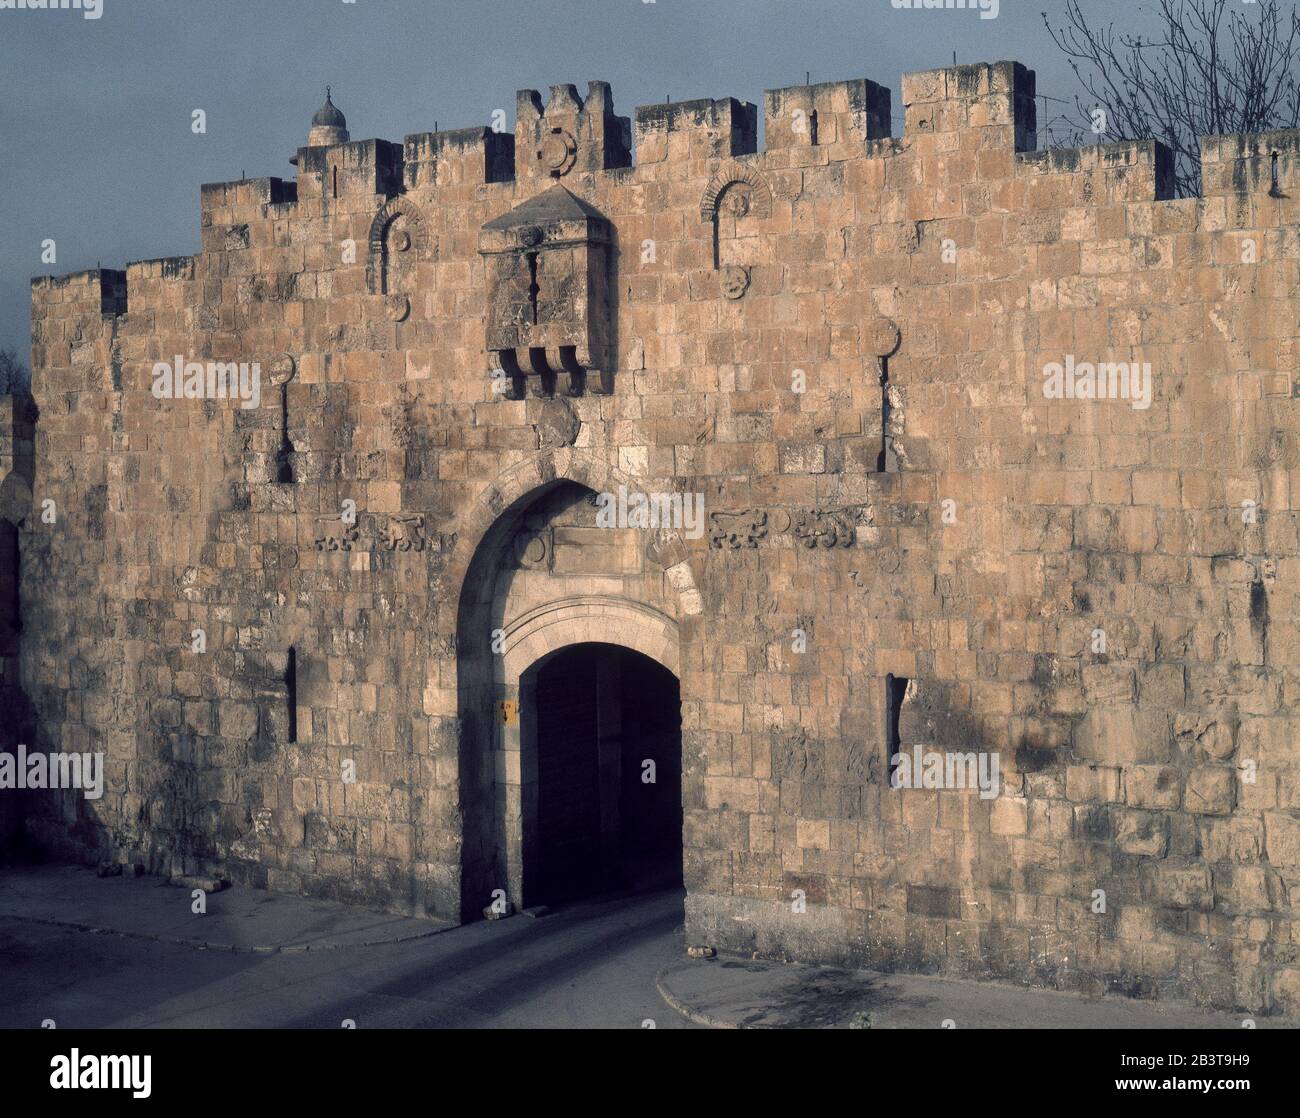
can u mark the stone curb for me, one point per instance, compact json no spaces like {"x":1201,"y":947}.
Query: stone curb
{"x":685,"y":1010}
{"x":663,"y":984}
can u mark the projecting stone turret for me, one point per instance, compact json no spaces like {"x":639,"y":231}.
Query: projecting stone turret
{"x":548,"y":297}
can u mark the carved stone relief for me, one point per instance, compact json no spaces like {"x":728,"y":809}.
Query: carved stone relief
{"x":533,"y":549}
{"x":734,"y":193}
{"x":399,"y":238}
{"x":735,"y":530}
{"x":397,"y":532}
{"x":824,"y":528}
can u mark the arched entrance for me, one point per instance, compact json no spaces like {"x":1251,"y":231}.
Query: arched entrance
{"x":602,"y":747}
{"x":542,"y":585}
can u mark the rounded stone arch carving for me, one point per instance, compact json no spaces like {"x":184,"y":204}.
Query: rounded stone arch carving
{"x":524,"y":480}
{"x":760,"y":194}
{"x":389,"y":212}
{"x":588,"y":619}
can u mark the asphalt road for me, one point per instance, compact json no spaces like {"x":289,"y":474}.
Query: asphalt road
{"x":588,"y":966}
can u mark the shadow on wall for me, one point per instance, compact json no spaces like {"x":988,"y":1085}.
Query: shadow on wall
{"x":482,"y":863}
{"x":38,"y":823}
{"x":17,"y":456}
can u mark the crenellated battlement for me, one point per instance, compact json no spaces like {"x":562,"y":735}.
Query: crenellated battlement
{"x":569,"y":133}
{"x":702,"y":129}
{"x":1242,"y":164}
{"x":1130,"y":171}
{"x":220,"y":201}
{"x":972,"y":99}
{"x":357,"y":167}
{"x":161,"y":268}
{"x":458,"y":157}
{"x":965,"y":128}
{"x":103,"y":289}
{"x":837,"y":116}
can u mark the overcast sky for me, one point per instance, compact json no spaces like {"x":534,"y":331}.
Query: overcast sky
{"x":96,"y":149}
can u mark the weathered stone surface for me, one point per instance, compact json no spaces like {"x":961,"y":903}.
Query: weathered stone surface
{"x":1232,"y":840}
{"x":1179,"y":887}
{"x":1144,"y":833}
{"x":1282,"y":840}
{"x":1211,"y":791}
{"x":1117,"y":735}
{"x":844,"y":344}
{"x":1153,"y":786}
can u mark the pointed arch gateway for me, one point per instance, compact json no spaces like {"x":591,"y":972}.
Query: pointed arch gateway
{"x":562,"y":630}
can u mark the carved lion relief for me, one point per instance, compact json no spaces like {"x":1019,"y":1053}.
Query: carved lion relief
{"x":824,"y":528}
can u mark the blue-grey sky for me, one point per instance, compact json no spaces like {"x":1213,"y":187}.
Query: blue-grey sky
{"x":97,"y":152}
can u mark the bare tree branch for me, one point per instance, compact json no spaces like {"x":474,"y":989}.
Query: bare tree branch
{"x":1218,"y":67}
{"x":13,"y":373}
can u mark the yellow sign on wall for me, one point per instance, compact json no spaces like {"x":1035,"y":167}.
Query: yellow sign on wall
{"x":508,"y":712}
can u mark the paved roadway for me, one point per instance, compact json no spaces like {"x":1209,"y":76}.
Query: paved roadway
{"x":591,"y":966}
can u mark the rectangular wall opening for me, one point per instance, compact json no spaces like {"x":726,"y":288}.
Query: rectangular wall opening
{"x":291,"y":692}
{"x":895,"y":689}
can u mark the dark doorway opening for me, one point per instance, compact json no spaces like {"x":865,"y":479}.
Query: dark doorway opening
{"x":609,"y":758}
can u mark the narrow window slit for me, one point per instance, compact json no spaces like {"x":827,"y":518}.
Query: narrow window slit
{"x":534,"y":289}
{"x":291,"y":692}
{"x":887,"y":459}
{"x":895,"y":689}
{"x":283,"y":456}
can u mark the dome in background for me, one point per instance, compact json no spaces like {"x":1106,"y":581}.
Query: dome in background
{"x":328,"y":115}
{"x":329,"y":126}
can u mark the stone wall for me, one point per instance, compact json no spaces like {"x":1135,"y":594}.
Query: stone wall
{"x":1100,"y":594}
